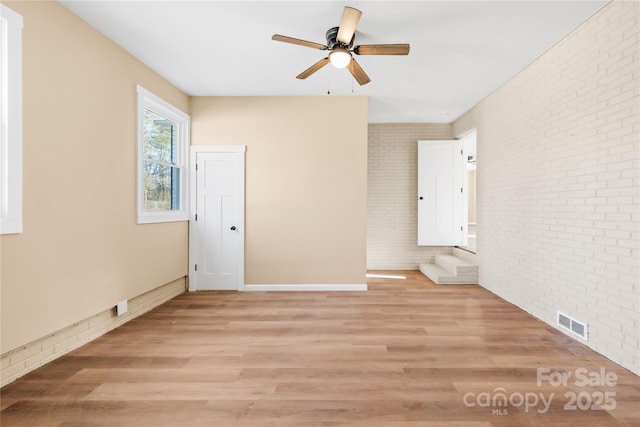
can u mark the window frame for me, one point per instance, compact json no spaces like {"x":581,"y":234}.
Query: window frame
{"x":11,"y":119}
{"x":148,"y":100}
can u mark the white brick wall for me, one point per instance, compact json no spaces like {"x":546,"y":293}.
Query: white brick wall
{"x":558,"y":183}
{"x":392,"y":224}
{"x":19,"y":362}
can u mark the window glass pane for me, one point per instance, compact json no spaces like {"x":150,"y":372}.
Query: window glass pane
{"x":159,"y":137}
{"x":161,"y":187}
{"x":163,"y":146}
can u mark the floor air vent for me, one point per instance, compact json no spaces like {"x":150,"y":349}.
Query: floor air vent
{"x":572,"y":325}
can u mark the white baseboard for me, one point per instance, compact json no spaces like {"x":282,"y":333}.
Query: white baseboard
{"x":314,"y":287}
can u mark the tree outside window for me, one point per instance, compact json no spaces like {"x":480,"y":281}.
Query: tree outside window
{"x":161,"y":177}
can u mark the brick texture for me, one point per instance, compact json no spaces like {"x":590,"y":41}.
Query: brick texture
{"x":558,"y":183}
{"x":19,"y":362}
{"x":392,"y":222}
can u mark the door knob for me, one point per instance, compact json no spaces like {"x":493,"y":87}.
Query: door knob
{"x":233,"y":228}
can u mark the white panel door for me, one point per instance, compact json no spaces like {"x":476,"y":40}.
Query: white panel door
{"x":441,"y":193}
{"x":219,"y":221}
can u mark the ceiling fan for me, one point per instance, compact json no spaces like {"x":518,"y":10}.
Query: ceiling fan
{"x":340,"y":46}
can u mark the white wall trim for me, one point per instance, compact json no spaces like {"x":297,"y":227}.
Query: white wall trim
{"x":310,"y":287}
{"x":148,"y":99}
{"x":11,"y":119}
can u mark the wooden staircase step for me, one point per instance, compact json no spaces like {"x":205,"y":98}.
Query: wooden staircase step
{"x":458,"y":268}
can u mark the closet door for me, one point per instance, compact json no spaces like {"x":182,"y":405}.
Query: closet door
{"x":217,"y":226}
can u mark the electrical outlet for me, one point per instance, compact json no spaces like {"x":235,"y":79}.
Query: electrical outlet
{"x":122,"y":307}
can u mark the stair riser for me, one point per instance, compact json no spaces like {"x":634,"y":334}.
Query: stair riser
{"x":455,"y":269}
{"x":441,"y":277}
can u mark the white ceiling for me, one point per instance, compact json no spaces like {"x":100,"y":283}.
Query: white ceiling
{"x":461,"y":51}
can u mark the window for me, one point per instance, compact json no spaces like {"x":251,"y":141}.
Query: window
{"x":163,"y":140}
{"x":11,"y":121}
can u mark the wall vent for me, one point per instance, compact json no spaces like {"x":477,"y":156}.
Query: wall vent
{"x":572,"y":325}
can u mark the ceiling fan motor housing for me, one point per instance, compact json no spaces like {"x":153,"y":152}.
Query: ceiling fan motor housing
{"x":332,"y":39}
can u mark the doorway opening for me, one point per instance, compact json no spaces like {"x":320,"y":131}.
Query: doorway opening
{"x":469,"y":141}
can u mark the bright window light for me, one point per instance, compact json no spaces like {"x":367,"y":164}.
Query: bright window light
{"x":385,"y":276}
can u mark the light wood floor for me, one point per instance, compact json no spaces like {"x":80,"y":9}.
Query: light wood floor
{"x":405,"y":353}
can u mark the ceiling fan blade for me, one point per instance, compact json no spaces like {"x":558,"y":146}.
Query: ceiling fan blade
{"x":315,"y":67}
{"x":358,"y":73}
{"x":285,"y":39}
{"x":348,"y":24}
{"x":382,"y":49}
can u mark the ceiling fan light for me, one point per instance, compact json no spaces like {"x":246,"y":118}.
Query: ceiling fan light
{"x":340,"y":57}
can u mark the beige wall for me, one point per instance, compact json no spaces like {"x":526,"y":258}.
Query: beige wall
{"x":306,"y":183}
{"x":81,"y":251}
{"x":558,"y":180}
